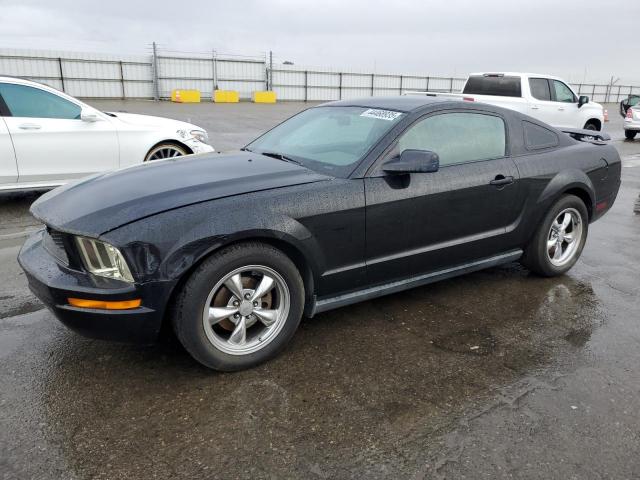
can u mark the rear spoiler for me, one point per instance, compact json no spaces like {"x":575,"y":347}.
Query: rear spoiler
{"x":593,"y":136}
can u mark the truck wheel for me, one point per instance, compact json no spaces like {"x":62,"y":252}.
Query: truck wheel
{"x":630,"y":134}
{"x":591,"y":126}
{"x":560,"y":238}
{"x":240,"y":307}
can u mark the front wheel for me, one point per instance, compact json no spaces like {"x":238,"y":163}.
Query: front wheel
{"x":560,"y":238}
{"x":591,"y":126}
{"x":165,"y":150}
{"x":240,"y":307}
{"x":630,"y":134}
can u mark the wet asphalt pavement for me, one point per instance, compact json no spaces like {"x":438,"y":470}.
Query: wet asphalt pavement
{"x":497,"y":374}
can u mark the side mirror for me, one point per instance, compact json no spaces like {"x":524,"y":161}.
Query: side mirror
{"x":89,"y":116}
{"x":413,"y":161}
{"x":582,"y":100}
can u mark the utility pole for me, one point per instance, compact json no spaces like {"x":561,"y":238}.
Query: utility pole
{"x":156,"y":89}
{"x":612,"y":82}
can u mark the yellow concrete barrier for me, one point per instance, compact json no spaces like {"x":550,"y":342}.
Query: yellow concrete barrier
{"x":185,"y":96}
{"x":264,"y":97}
{"x":226,"y":96}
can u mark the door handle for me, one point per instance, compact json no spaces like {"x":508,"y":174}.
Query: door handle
{"x":561,"y":109}
{"x":535,"y":107}
{"x":29,"y":126}
{"x":501,"y":181}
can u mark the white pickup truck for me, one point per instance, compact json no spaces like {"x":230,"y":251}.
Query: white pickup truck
{"x":544,"y":97}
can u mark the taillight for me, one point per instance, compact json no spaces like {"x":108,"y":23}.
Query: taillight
{"x":630,"y":113}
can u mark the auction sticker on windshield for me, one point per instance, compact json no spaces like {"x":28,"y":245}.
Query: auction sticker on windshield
{"x":381,"y":114}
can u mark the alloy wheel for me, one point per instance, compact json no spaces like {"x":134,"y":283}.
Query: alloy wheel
{"x":564,"y":237}
{"x":246,"y":309}
{"x":165,"y":151}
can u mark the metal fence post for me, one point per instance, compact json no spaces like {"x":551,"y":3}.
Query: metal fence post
{"x":122,"y":79}
{"x":306,"y":85}
{"x":156,"y":88}
{"x":451,"y":85}
{"x":61,"y":73}
{"x":340,"y":86}
{"x":400,"y":84}
{"x":214,"y":74}
{"x":427,"y":84}
{"x":373,"y":79}
{"x":270,"y":72}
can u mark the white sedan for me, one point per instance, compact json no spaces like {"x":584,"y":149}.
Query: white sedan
{"x":48,"y":138}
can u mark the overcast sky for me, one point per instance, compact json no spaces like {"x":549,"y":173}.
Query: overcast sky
{"x":579,"y":40}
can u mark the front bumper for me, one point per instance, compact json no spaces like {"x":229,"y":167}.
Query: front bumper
{"x":199,"y":147}
{"x":53,"y":283}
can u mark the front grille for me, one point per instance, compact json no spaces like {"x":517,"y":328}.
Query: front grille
{"x":55,"y":245}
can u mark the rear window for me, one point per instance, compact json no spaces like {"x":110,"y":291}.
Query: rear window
{"x":540,"y":88}
{"x":537,"y":137}
{"x":501,"y":86}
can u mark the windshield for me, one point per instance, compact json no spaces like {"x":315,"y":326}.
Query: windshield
{"x":331,"y":140}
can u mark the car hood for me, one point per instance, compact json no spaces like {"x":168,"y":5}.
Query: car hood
{"x":98,"y":204}
{"x":134,"y":119}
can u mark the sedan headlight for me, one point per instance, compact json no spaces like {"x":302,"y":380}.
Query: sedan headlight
{"x":200,"y":135}
{"x":103,"y":260}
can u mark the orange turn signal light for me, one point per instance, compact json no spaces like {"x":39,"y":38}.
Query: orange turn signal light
{"x":104,"y":305}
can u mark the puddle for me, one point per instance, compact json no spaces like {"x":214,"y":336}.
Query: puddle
{"x":478,"y":341}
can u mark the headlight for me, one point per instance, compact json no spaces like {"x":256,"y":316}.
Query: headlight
{"x":200,"y":135}
{"x":103,"y":260}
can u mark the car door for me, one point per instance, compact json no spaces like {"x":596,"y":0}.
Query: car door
{"x":566,"y":105}
{"x":51,"y":141}
{"x":542,"y":106}
{"x":422,"y":222}
{"x":8,"y":165}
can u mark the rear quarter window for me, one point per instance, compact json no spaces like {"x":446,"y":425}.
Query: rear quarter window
{"x":501,"y":86}
{"x":537,"y":137}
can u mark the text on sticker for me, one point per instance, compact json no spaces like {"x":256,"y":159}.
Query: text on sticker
{"x":381,"y":114}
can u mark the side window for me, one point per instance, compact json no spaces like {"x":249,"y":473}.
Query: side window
{"x":540,"y":88}
{"x":537,"y":137}
{"x":563,"y":93}
{"x":24,"y":101}
{"x":457,"y":137}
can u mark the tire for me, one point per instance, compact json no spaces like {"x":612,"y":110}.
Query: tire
{"x":165,"y":150}
{"x":539,"y":252}
{"x":630,"y":134}
{"x":225,"y":333}
{"x":591,"y":126}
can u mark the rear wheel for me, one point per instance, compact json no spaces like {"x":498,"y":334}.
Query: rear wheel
{"x":560,"y":238}
{"x":240,"y":307}
{"x":630,"y":134}
{"x":165,"y":150}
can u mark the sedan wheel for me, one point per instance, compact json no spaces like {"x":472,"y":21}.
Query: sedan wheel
{"x":559,"y":239}
{"x":163,"y":151}
{"x":564,"y":237}
{"x":240,"y":307}
{"x":246,"y":309}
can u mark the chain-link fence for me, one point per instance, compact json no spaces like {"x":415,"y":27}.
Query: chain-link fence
{"x":91,"y":75}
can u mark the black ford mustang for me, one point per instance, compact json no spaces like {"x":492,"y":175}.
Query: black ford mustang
{"x":341,"y":203}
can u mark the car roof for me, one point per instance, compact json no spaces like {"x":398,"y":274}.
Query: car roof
{"x":517,"y":74}
{"x":400,"y":103}
{"x":19,"y":80}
